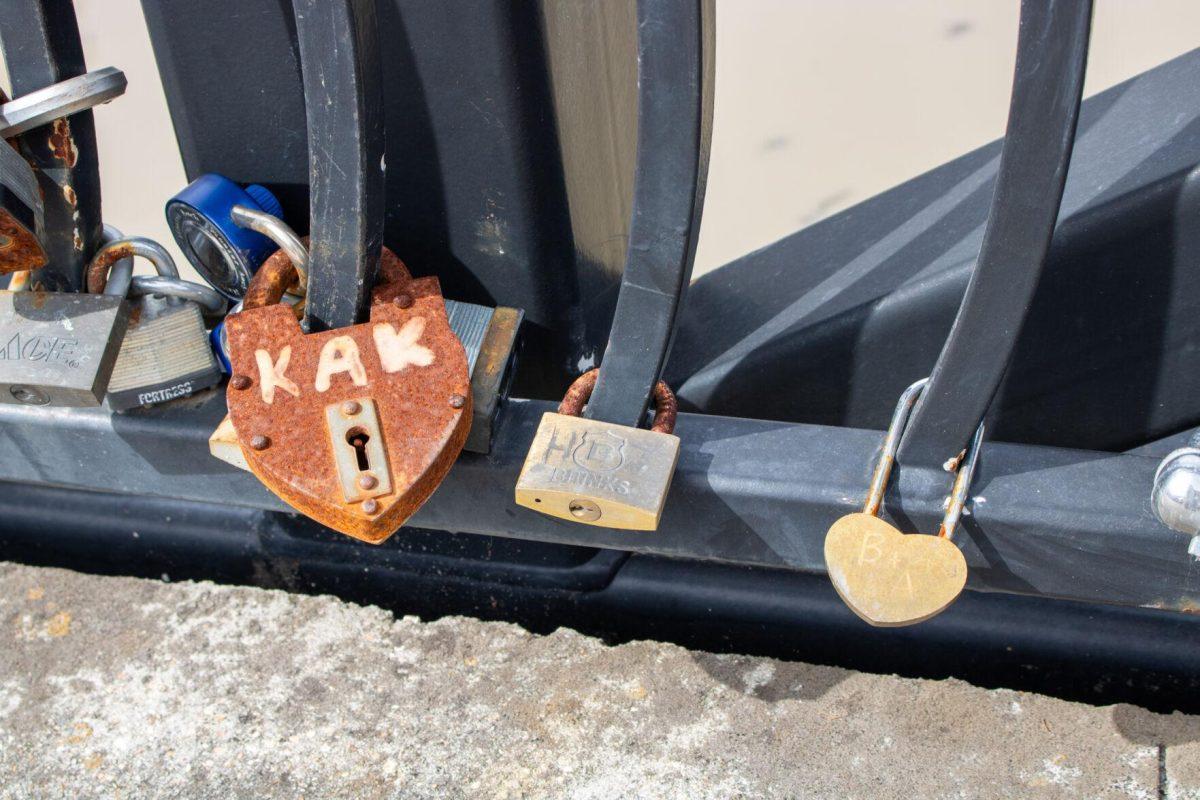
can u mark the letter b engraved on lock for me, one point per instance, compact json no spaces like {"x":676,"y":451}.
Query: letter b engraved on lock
{"x":600,"y":451}
{"x":870,"y":551}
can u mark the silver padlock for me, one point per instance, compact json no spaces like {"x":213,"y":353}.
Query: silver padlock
{"x":60,"y":348}
{"x":166,"y":353}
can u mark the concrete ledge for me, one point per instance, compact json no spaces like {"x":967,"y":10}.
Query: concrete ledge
{"x":123,"y":687}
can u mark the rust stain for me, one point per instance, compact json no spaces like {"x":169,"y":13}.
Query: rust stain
{"x":423,"y":428}
{"x":39,"y":299}
{"x":69,"y":193}
{"x":62,"y":143}
{"x":19,"y":248}
{"x":81,"y":732}
{"x":59,"y":625}
{"x":97,"y":273}
{"x":35,"y":593}
{"x":1185,"y":605}
{"x":666,"y":407}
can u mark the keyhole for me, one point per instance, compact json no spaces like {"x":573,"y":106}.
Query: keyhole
{"x":358,"y":438}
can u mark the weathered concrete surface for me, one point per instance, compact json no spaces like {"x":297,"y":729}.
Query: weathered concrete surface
{"x":114,"y":687}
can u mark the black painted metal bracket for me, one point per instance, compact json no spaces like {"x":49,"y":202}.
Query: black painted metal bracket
{"x":1047,"y":89}
{"x":675,"y":85}
{"x":40,"y":39}
{"x":339,"y":61}
{"x":1044,"y":521}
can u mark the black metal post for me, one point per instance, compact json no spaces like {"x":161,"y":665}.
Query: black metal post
{"x":1047,"y":89}
{"x":675,"y":74}
{"x":41,"y":46}
{"x":343,"y":98}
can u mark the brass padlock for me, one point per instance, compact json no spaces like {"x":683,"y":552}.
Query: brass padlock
{"x":889,"y":578}
{"x":598,"y":473}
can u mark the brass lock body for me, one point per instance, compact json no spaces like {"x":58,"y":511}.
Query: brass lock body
{"x":599,"y":473}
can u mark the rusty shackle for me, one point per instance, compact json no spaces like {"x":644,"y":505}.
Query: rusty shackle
{"x":277,"y":274}
{"x":666,"y":407}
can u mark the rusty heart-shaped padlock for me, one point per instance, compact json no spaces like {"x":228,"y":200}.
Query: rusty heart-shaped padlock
{"x":354,"y":427}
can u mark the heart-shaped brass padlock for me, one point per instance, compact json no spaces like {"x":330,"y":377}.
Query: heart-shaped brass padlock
{"x":887,"y":577}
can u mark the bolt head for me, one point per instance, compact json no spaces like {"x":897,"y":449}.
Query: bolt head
{"x":403,"y":300}
{"x":351,"y":407}
{"x":367,"y":482}
{"x":370,"y":506}
{"x":240,"y":382}
{"x":260,"y":442}
{"x":457,"y":401}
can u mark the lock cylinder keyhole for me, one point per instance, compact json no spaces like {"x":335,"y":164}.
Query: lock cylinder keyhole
{"x":358,"y":438}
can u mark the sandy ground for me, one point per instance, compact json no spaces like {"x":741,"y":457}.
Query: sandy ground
{"x":118,"y":687}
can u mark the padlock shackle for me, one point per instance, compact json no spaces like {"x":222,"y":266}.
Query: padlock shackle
{"x":206,"y":297}
{"x":891,"y":444}
{"x":281,"y":234}
{"x":887,"y":459}
{"x":277,"y":274}
{"x":666,"y":407}
{"x":115,"y":251}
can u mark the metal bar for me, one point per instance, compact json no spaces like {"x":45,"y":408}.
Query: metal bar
{"x":40,"y":39}
{"x":1047,"y":89}
{"x":343,"y":98}
{"x":675,"y":74}
{"x":985,"y":638}
{"x":1044,"y":521}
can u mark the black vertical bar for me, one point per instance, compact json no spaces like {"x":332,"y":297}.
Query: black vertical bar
{"x":343,"y":99}
{"x":1047,"y":89}
{"x":41,"y":46}
{"x":675,"y":73}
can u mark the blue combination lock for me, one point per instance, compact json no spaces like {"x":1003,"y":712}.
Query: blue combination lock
{"x":224,"y":253}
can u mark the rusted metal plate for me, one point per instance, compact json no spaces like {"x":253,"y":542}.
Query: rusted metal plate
{"x":405,"y":359}
{"x":20,"y":249}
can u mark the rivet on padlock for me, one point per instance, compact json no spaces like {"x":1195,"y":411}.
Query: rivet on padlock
{"x":166,"y":353}
{"x":357,"y":426}
{"x":598,"y":473}
{"x":889,"y":578}
{"x":60,"y":348}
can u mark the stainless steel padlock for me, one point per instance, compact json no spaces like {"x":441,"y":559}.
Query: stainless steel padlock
{"x":598,"y":473}
{"x":166,"y":353}
{"x":60,"y":348}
